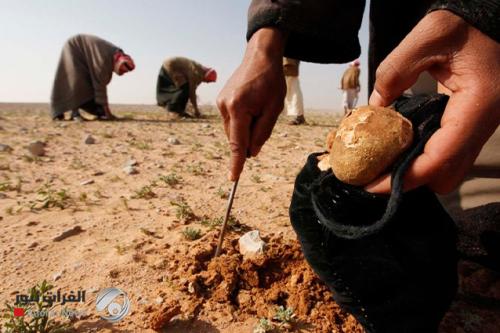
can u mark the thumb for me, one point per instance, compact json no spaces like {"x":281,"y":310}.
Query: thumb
{"x":401,"y":68}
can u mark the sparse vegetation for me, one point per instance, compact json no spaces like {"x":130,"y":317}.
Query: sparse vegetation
{"x":32,"y":159}
{"x":264,"y":325}
{"x":191,"y":234}
{"x":196,"y":169}
{"x":215,"y":222}
{"x":183,"y":211}
{"x":142,"y":145}
{"x":7,"y":186}
{"x":34,"y":324}
{"x":171,"y":179}
{"x":256,"y":179}
{"x":50,"y":198}
{"x":145,"y":192}
{"x":77,"y":164}
{"x":149,"y":233}
{"x":125,"y":202}
{"x":284,"y":316}
{"x":222,"y":193}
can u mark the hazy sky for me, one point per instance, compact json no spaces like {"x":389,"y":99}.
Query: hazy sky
{"x":212,"y":32}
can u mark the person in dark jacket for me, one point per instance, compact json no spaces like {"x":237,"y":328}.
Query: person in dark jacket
{"x":85,"y":69}
{"x":456,"y":41}
{"x":178,"y":80}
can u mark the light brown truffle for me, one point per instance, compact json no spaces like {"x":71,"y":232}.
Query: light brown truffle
{"x":367,"y":142}
{"x":329,"y":139}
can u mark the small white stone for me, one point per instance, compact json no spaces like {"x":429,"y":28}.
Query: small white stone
{"x":57,"y":275}
{"x":131,"y":162}
{"x":173,"y":141}
{"x":130,"y":170}
{"x":87,"y":182}
{"x":251,"y":243}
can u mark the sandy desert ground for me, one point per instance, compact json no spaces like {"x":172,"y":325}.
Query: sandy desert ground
{"x":132,"y":231}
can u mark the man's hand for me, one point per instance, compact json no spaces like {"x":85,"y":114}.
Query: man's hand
{"x":252,"y":99}
{"x":466,"y":62}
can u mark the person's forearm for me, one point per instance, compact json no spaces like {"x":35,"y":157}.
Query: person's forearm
{"x":268,"y":41}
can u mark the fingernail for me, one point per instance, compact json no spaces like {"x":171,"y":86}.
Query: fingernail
{"x":376,"y":99}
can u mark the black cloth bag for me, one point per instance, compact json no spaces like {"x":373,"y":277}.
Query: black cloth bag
{"x":389,"y":260}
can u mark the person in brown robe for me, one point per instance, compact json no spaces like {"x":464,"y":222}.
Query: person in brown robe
{"x":178,"y":80}
{"x":85,"y":69}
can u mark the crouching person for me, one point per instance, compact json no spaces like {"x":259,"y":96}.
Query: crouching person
{"x":85,"y":69}
{"x":177,"y":83}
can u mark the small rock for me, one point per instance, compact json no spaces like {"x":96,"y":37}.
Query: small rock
{"x":33,"y":245}
{"x":93,"y":290}
{"x":251,"y":243}
{"x":130,"y":170}
{"x":5,"y":148}
{"x":191,"y":288}
{"x":159,"y":300}
{"x":57,"y":276}
{"x":89,"y":140}
{"x":205,"y":126}
{"x":114,"y":273}
{"x":283,"y":135}
{"x":87,"y":182}
{"x":36,"y":148}
{"x":98,"y":173}
{"x":131,"y":162}
{"x":3,"y":195}
{"x":173,"y":141}
{"x":68,"y":233}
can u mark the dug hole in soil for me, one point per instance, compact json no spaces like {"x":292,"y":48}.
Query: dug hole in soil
{"x":238,"y":288}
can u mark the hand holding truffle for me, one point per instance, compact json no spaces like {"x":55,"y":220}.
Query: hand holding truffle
{"x":367,"y":142}
{"x":465,"y":61}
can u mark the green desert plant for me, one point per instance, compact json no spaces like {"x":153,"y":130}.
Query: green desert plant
{"x":35,"y":324}
{"x":215,"y":222}
{"x":171,"y":179}
{"x":191,"y":233}
{"x":49,"y":198}
{"x":284,"y":315}
{"x":183,"y":211}
{"x":222,"y":193}
{"x":145,"y":192}
{"x":256,"y":179}
{"x":196,"y":169}
{"x":264,"y":325}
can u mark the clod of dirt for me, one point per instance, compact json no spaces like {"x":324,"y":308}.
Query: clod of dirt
{"x":237,"y":288}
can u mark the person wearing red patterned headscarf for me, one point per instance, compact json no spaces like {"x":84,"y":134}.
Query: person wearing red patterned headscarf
{"x":178,"y":80}
{"x":85,"y":69}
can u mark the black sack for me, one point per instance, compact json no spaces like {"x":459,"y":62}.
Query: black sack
{"x":390,"y":261}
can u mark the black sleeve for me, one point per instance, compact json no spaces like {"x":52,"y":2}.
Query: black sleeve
{"x":323,"y":31}
{"x":482,"y":14}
